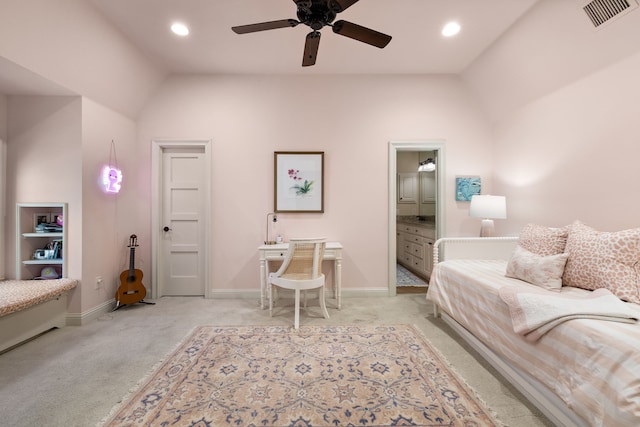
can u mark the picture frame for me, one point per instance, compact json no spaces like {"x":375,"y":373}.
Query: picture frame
{"x":467,"y":186}
{"x":298,"y":181}
{"x":39,"y":218}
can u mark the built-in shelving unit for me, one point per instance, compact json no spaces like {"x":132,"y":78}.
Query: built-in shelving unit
{"x":36,"y":249}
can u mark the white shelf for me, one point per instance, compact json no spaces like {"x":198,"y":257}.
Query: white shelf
{"x":51,"y":261}
{"x":28,"y":240}
{"x":47,"y":235}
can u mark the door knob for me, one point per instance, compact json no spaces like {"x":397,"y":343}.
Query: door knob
{"x":165,"y":229}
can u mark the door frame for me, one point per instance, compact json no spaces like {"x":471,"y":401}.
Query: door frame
{"x":158,"y":146}
{"x":425,"y":145}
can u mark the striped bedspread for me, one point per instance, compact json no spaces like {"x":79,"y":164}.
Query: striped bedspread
{"x":592,"y":365}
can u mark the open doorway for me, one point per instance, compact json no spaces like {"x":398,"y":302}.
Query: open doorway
{"x":403,"y":186}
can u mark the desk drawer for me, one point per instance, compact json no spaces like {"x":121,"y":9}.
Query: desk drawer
{"x":275,"y":255}
{"x":329,"y":254}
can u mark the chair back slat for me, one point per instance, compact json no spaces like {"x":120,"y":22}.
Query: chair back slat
{"x":304,"y":259}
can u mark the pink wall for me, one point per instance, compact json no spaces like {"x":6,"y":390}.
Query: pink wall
{"x":553,"y":45}
{"x":350,"y":118}
{"x":3,"y":117}
{"x":56,"y":146}
{"x":574,"y":154}
{"x":564,"y":107}
{"x":44,"y":165}
{"x":107,"y":219}
{"x":70,"y":44}
{"x":547,"y":110}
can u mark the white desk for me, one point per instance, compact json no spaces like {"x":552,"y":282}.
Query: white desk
{"x":332,"y":251}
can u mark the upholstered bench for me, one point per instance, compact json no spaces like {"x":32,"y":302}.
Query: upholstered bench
{"x":30,"y":307}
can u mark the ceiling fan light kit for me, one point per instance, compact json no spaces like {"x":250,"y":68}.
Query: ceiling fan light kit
{"x":317,"y":14}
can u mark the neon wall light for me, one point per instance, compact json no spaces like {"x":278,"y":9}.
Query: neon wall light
{"x":111,"y":179}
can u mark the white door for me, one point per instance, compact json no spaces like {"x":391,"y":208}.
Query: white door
{"x":181,"y":266}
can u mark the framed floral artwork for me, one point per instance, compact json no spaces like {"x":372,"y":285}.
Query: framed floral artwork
{"x":467,"y":186}
{"x":298,"y":181}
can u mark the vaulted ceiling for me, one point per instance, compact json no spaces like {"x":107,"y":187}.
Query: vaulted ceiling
{"x":211,"y":47}
{"x":508,"y":52}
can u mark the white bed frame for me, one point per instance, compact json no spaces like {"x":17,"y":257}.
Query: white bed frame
{"x":23,"y":325}
{"x":501,"y":248}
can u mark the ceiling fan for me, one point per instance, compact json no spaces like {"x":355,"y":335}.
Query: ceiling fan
{"x":317,"y":14}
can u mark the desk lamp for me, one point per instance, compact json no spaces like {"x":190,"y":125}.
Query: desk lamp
{"x":488,"y":208}
{"x":274,"y":220}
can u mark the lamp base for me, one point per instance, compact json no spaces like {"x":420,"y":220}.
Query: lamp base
{"x":487,"y":228}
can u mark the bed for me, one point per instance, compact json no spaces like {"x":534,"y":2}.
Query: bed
{"x":31,"y":307}
{"x":583,"y":372}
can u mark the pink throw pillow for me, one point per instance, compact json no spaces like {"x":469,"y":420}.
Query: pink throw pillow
{"x":543,"y":240}
{"x":608,"y":260}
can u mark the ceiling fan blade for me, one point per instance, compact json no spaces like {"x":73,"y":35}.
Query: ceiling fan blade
{"x":262,"y":26}
{"x":340,"y":5}
{"x":311,"y":46}
{"x":360,"y":33}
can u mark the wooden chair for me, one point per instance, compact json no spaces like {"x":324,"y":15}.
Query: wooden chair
{"x":301,"y":270}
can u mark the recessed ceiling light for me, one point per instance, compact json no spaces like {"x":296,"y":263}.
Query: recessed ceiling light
{"x":451,"y":29}
{"x":180,"y":29}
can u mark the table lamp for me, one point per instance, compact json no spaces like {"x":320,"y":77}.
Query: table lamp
{"x":488,"y":208}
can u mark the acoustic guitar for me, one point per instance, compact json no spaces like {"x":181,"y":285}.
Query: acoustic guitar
{"x":131,"y":289}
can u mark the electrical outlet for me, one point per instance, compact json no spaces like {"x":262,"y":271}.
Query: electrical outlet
{"x":98,"y":282}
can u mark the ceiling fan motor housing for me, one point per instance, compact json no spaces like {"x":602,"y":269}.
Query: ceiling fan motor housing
{"x":315,"y":13}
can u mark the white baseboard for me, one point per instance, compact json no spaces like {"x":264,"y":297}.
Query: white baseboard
{"x":234,"y":294}
{"x":363,"y":292}
{"x":79,"y":319}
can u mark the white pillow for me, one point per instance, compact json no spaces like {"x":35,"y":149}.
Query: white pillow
{"x":543,"y":271}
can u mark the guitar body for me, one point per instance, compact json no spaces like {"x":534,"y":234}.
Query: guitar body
{"x":131,"y":289}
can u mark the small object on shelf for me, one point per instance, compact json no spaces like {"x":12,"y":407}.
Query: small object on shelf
{"x":39,"y":254}
{"x":48,"y":227}
{"x":40,"y":218}
{"x":48,"y":273}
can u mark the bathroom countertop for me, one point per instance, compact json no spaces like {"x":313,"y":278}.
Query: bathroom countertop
{"x":413,"y":220}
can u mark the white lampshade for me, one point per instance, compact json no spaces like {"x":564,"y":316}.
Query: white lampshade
{"x":490,"y":207}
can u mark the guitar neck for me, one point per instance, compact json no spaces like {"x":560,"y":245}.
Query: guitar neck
{"x":132,"y":257}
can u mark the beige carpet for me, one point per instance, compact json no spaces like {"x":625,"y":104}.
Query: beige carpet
{"x":318,"y":376}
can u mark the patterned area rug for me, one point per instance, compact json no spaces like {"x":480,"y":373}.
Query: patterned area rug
{"x":319,"y":376}
{"x":405,"y":277}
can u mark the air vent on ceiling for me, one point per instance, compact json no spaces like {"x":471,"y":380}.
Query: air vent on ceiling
{"x":603,"y":11}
